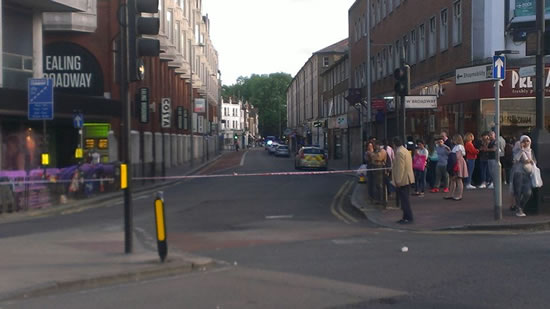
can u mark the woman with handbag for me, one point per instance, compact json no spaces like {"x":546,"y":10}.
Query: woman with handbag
{"x":458,"y":171}
{"x":524,"y":162}
{"x":419,"y":167}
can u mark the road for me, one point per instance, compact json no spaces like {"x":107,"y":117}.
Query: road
{"x":295,"y":242}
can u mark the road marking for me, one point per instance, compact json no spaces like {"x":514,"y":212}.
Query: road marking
{"x":279,"y":217}
{"x":341,"y":202}
{"x":243,"y":158}
{"x":335,"y":201}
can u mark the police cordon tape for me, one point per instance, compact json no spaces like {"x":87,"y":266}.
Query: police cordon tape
{"x":177,"y":177}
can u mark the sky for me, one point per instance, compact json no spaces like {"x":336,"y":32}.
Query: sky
{"x":269,"y":36}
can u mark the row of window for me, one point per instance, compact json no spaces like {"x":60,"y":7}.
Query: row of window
{"x":336,"y":75}
{"x":231,"y":125}
{"x":335,"y":106}
{"x":415,"y":46}
{"x":235,"y":111}
{"x":379,"y":10}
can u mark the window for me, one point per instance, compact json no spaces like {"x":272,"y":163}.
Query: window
{"x":325,"y":62}
{"x":390,"y":59}
{"x":431,"y":37}
{"x":373,"y":69}
{"x":412,"y":47}
{"x":372,"y":15}
{"x":457,"y":22}
{"x":181,"y":4}
{"x":384,"y":7}
{"x":161,"y":15}
{"x":183,"y":47}
{"x":177,"y":36}
{"x":405,"y":46}
{"x":385,"y":62}
{"x":169,"y":26}
{"x":390,"y":6}
{"x":398,"y":53}
{"x":421,"y":42}
{"x":443,"y":31}
{"x":378,"y":11}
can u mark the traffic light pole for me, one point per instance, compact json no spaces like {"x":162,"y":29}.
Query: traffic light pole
{"x":126,"y":132}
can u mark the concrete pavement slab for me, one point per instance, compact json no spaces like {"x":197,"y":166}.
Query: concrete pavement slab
{"x":43,"y":263}
{"x":431,"y":212}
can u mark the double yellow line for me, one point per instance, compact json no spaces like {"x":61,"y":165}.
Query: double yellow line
{"x":337,"y":205}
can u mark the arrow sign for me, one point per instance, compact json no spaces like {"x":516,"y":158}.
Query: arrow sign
{"x":499,"y":67}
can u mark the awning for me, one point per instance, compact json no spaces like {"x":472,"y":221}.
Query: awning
{"x":54,"y":5}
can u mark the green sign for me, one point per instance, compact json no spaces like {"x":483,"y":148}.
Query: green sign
{"x":528,"y":8}
{"x":96,"y":130}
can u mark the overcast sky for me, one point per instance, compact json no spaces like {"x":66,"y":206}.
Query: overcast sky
{"x":268,"y":36}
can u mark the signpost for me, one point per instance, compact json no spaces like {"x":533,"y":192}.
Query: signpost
{"x":499,"y":73}
{"x":480,"y":73}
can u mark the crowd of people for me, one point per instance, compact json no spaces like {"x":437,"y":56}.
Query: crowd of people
{"x":450,"y":165}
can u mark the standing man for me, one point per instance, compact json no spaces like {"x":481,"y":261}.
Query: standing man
{"x":402,"y":178}
{"x":446,"y":140}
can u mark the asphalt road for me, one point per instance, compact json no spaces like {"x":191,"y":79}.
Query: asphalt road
{"x":294,"y":242}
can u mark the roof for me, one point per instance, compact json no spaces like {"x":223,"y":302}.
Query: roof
{"x":340,"y":47}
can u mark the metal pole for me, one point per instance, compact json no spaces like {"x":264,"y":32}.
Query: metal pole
{"x":540,"y":81}
{"x":191,"y":60}
{"x":126,"y":112}
{"x":369,"y":76}
{"x":207,"y":119}
{"x":498,"y":173}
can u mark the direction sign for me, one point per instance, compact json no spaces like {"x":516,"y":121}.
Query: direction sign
{"x":421,"y":101}
{"x":480,"y":73}
{"x":40,"y":98}
{"x":78,"y":121}
{"x":499,"y":67}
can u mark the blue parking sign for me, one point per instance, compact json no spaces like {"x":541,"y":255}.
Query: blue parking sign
{"x":40,"y":98}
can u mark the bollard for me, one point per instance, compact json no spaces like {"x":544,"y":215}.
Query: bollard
{"x":160,"y":221}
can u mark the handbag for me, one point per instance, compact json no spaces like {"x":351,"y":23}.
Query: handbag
{"x":419,"y":163}
{"x":536,"y":179}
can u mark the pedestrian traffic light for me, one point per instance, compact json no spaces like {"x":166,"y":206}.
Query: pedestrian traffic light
{"x":137,"y":26}
{"x":402,"y":77}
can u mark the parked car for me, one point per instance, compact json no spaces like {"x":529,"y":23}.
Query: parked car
{"x":311,"y":157}
{"x":272,"y":148}
{"x":282,"y":151}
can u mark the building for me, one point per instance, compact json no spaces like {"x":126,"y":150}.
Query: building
{"x":342,"y":121}
{"x":232,"y":123}
{"x":304,"y":97}
{"x":78,"y":51}
{"x":437,"y":37}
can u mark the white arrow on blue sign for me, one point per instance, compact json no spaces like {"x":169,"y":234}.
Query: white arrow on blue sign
{"x":78,"y":121}
{"x":499,"y":67}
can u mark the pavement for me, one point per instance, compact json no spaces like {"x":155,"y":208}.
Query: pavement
{"x":43,"y":263}
{"x":475,"y":212}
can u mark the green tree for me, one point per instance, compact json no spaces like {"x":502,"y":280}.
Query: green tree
{"x":268,"y":94}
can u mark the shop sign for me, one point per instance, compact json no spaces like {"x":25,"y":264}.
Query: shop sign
{"x":73,"y":69}
{"x":517,"y":119}
{"x":525,"y":85}
{"x":200,"y":106}
{"x":421,"y":102}
{"x":166,"y":113}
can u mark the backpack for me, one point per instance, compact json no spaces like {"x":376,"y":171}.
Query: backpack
{"x":452,"y":164}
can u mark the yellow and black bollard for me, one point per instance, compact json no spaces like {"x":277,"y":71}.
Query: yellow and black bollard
{"x":162,"y":244}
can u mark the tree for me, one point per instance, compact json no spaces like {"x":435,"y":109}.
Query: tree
{"x":268,"y":94}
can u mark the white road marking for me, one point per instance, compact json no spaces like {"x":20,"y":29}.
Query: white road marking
{"x":243,"y":158}
{"x":279,"y":217}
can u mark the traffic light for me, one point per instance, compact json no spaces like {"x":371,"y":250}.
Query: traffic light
{"x":137,"y":25}
{"x":354,"y":96}
{"x":402,"y":77}
{"x":235,"y":136}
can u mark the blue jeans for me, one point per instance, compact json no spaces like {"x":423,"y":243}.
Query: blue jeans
{"x":471,"y":165}
{"x":484,"y":170}
{"x":419,"y":180}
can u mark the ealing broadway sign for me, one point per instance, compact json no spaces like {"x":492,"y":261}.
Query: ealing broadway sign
{"x":73,"y":69}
